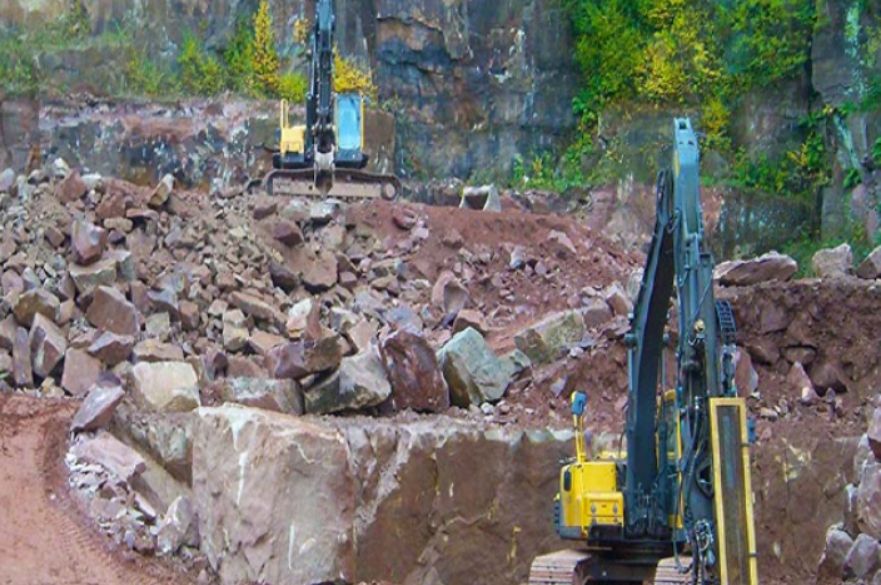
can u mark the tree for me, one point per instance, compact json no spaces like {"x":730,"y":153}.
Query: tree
{"x":264,"y":57}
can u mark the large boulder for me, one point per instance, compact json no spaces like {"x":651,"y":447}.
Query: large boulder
{"x":299,"y":359}
{"x":359,"y":383}
{"x":770,"y":266}
{"x":416,"y":379}
{"x":551,"y":337}
{"x":166,"y":386}
{"x":833,"y":262}
{"x":473,"y":372}
{"x":283,"y":499}
{"x":870,"y":267}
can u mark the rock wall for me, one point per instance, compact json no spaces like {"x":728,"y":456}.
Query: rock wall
{"x":471,"y":84}
{"x":299,"y":500}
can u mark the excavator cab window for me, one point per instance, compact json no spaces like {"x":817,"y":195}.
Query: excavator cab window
{"x":349,"y":122}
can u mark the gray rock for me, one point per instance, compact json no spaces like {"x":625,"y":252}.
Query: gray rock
{"x":551,"y":337}
{"x":88,"y":278}
{"x":870,"y":267}
{"x":360,"y":382}
{"x":7,"y":181}
{"x":869,"y":500}
{"x":838,"y":545}
{"x":863,"y":558}
{"x":33,"y":302}
{"x":770,"y":266}
{"x":48,"y":345}
{"x":485,"y":198}
{"x":473,"y":372}
{"x":833,"y":262}
{"x":110,"y":453}
{"x":178,"y":527}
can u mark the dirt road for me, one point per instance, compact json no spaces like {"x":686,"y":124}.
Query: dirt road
{"x":43,"y":536}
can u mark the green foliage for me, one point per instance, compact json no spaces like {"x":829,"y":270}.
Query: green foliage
{"x":200,"y":73}
{"x":876,"y":151}
{"x":293,"y":87}
{"x":771,"y":39}
{"x":145,"y":78}
{"x":238,"y":59}
{"x":264,"y":58}
{"x":852,"y":178}
{"x":18,"y":68}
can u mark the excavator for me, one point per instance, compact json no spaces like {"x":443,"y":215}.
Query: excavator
{"x":325,"y":156}
{"x":677,"y":507}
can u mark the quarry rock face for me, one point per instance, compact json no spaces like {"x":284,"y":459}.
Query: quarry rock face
{"x":282,"y":499}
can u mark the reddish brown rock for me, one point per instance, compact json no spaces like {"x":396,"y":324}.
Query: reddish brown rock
{"x":874,"y":434}
{"x":81,"y":371}
{"x":189,"y":315}
{"x":827,"y":375}
{"x":299,"y":359}
{"x":33,"y":302}
{"x":470,"y":318}
{"x":404,"y":217}
{"x":244,"y":367}
{"x":97,"y":409}
{"x":71,"y":189}
{"x":262,"y":342}
{"x":88,"y":242}
{"x":413,"y":371}
{"x":111,"y":348}
{"x":112,"y":454}
{"x":256,"y":308}
{"x":22,"y":374}
{"x":153,"y":350}
{"x":288,"y":233}
{"x":111,"y":311}
{"x":48,"y":345}
{"x":283,"y":277}
{"x":54,"y":236}
{"x":7,"y":333}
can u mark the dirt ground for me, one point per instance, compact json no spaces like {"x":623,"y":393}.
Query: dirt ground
{"x":44,"y":539}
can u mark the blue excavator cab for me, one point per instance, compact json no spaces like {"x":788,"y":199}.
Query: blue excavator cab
{"x":350,"y":130}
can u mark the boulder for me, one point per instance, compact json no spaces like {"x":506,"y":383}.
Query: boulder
{"x":770,"y":266}
{"x":71,"y":188}
{"x":551,"y":337}
{"x":256,"y":308}
{"x":88,"y":242}
{"x":162,"y":192}
{"x":833,"y":262}
{"x":7,"y":181}
{"x":801,"y":386}
{"x":863,"y":558}
{"x":874,"y":433}
{"x":595,"y":312}
{"x":22,"y":373}
{"x":33,"y":302}
{"x":449,"y":294}
{"x":299,"y":359}
{"x":110,"y":453}
{"x":485,"y":198}
{"x":472,"y":371}
{"x":288,"y":233}
{"x":110,"y":311}
{"x":111,"y":348}
{"x":278,"y":395}
{"x":153,"y":350}
{"x":97,"y":409}
{"x":828,"y":375}
{"x":87,"y":278}
{"x":261,"y":342}
{"x":414,"y":374}
{"x":81,"y":371}
{"x":283,"y":499}
{"x":319,"y":271}
{"x":746,"y":378}
{"x":470,"y":318}
{"x":48,"y":345}
{"x":870,"y":267}
{"x":404,"y":217}
{"x":618,"y":301}
{"x":178,"y":527}
{"x":359,"y":383}
{"x":838,"y":545}
{"x":166,"y":386}
{"x":165,"y":436}
{"x":869,"y":500}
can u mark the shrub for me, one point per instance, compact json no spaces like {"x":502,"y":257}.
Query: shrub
{"x":348,"y":77}
{"x":238,"y":57}
{"x":200,"y":73}
{"x":293,"y":87}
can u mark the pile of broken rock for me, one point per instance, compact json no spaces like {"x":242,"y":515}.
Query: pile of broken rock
{"x":149,"y":303}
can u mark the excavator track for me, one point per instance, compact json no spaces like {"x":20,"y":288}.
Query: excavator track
{"x":570,"y":567}
{"x":348,"y":184}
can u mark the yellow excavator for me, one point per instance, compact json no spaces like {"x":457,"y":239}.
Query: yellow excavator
{"x":325,"y":156}
{"x":677,"y":507}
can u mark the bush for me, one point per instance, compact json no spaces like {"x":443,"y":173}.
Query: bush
{"x":293,"y":87}
{"x":348,"y":77}
{"x":200,"y":73}
{"x":239,"y":59}
{"x":146,"y":78}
